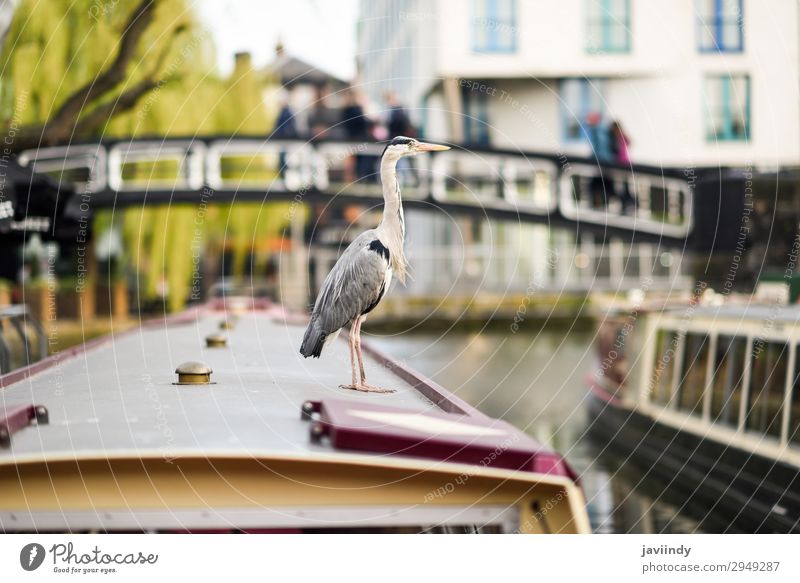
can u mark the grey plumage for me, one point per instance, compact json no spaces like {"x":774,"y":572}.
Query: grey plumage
{"x":352,"y":288}
{"x":361,"y":276}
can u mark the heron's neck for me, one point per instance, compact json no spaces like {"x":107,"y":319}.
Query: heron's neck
{"x":392,"y":225}
{"x":393,"y":205}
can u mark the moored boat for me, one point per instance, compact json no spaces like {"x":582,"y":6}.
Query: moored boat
{"x":211,"y":421}
{"x":705,"y":400}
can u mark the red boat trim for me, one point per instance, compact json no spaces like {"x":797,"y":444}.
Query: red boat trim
{"x":602,"y":393}
{"x":349,"y":427}
{"x":444,"y":399}
{"x":15,"y":418}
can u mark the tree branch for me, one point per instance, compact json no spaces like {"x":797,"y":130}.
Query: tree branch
{"x":62,"y":127}
{"x":127,"y":100}
{"x":58,"y":127}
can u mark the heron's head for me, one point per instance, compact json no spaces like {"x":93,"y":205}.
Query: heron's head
{"x":403,"y":146}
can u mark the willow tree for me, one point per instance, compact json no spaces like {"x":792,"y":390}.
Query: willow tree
{"x":78,"y":68}
{"x":70,"y":66}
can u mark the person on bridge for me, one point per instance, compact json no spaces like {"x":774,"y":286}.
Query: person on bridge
{"x":323,"y":122}
{"x":361,"y":276}
{"x":285,"y":129}
{"x":601,"y":151}
{"x":399,"y":124}
{"x":620,"y":142}
{"x":357,"y":127}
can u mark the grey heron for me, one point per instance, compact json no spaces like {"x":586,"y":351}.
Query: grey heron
{"x":361,"y":276}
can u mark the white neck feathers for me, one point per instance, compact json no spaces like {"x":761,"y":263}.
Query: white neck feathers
{"x":392,"y":228}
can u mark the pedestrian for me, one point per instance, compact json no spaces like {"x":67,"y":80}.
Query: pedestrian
{"x":323,"y":120}
{"x":397,"y":120}
{"x":285,"y":125}
{"x":598,"y":137}
{"x":601,"y":150}
{"x":285,"y":129}
{"x":399,"y":124}
{"x":619,"y":143}
{"x":356,"y":126}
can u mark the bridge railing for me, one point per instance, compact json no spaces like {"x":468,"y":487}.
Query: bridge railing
{"x":622,"y":198}
{"x":638,"y":199}
{"x":463,"y":270}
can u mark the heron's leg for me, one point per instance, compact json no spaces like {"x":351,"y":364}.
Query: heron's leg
{"x":365,"y":386}
{"x":353,"y":339}
{"x":351,"y":343}
{"x":359,"y":321}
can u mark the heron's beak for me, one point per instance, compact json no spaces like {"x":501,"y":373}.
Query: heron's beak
{"x":424,"y":147}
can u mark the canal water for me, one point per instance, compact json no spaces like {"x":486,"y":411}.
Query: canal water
{"x":535,"y":379}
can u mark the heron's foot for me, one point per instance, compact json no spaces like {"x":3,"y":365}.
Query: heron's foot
{"x":375,"y":389}
{"x":366,"y":388}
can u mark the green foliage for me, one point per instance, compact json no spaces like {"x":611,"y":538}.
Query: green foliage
{"x":164,"y":244}
{"x":54,"y":47}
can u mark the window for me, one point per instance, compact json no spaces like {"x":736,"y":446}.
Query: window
{"x":727,"y":107}
{"x":693,"y":377}
{"x":728,"y":380}
{"x":608,"y":26}
{"x":767,"y":387}
{"x":664,"y":366}
{"x":579,"y":98}
{"x":719,"y":25}
{"x":476,"y":116}
{"x":494,"y":28}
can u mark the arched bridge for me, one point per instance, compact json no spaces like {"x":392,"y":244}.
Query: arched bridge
{"x":636,"y":204}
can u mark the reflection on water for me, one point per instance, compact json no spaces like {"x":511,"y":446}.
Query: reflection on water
{"x":536,"y":380}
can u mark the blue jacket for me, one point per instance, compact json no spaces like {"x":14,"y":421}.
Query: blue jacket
{"x":601,"y":144}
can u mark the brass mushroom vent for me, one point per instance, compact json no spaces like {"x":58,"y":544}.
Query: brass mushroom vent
{"x":193,"y":373}
{"x":216,"y":341}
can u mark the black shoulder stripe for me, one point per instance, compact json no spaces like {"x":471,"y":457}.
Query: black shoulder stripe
{"x":379,"y":248}
{"x":377,"y":300}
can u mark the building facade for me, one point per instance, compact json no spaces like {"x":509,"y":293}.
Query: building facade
{"x":692,"y":82}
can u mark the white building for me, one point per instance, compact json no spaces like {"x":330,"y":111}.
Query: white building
{"x":693,"y":82}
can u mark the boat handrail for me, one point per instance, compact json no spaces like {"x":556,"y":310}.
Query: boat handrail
{"x":19,"y":316}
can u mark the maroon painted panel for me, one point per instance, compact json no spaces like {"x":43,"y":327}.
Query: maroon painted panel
{"x":12,"y":419}
{"x":440,"y":436}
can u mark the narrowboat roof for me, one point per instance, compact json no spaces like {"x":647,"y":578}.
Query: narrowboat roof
{"x":118,"y":398}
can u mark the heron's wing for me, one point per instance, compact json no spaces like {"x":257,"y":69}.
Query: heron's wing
{"x":354,"y":284}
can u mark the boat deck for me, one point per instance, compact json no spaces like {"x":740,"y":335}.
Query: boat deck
{"x":121,"y":395}
{"x":125,"y":448}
